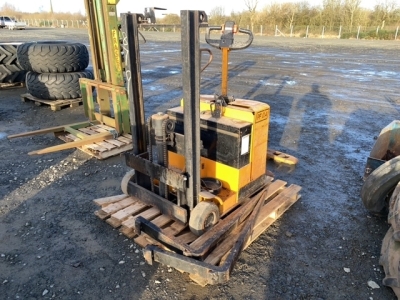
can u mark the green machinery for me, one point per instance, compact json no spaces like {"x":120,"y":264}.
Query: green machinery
{"x":110,"y":104}
{"x":107,"y":64}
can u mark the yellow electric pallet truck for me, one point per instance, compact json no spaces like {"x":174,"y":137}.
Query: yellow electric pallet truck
{"x":198,"y":192}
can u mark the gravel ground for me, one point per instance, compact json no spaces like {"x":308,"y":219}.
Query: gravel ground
{"x":329,"y":98}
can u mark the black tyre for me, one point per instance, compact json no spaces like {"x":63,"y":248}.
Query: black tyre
{"x":379,"y":186}
{"x":53,"y":57}
{"x":390,"y":250}
{"x":390,"y":261}
{"x":204,"y":216}
{"x":55,"y":86}
{"x":10,"y":69}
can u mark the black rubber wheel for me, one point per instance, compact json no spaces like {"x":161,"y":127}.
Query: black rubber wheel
{"x":379,"y":186}
{"x":204,"y":216}
{"x":390,"y":250}
{"x":53,"y":57}
{"x":390,"y":261}
{"x":56,"y":86}
{"x":10,"y":69}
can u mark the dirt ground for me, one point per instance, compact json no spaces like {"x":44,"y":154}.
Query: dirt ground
{"x":329,"y":99}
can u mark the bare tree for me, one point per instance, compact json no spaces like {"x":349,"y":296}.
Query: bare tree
{"x":170,"y":19}
{"x":331,"y":12}
{"x":251,"y":6}
{"x":383,"y":11}
{"x":288,"y":11}
{"x":217,"y":15}
{"x":8,"y":9}
{"x":351,"y":8}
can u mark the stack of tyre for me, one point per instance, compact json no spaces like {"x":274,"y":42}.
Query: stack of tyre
{"x":10,"y":69}
{"x":54,"y":68}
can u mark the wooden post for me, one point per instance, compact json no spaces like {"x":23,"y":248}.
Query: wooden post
{"x":358,"y":31}
{"x":291,"y":30}
{"x":323,"y":31}
{"x":261,"y":30}
{"x":340,"y":31}
{"x":397,"y":31}
{"x":276,"y":30}
{"x":307,"y":32}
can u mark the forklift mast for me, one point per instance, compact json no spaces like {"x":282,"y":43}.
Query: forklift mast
{"x":110,"y":105}
{"x":187,"y":184}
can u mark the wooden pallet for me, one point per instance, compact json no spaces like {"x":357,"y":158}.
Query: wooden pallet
{"x":4,"y":86}
{"x":55,"y":105}
{"x":103,"y":149}
{"x":121,"y":212}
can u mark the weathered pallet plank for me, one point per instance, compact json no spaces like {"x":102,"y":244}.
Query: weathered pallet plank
{"x":116,"y":219}
{"x":55,"y":105}
{"x":102,"y":149}
{"x":278,"y":198}
{"x":273,"y":210}
{"x":108,"y":210}
{"x":5,"y":85}
{"x":187,"y":237}
{"x":128,"y":226}
{"x":108,"y":200}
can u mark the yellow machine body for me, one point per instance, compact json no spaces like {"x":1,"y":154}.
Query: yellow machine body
{"x":251,"y":119}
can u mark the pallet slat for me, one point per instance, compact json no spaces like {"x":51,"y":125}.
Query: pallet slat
{"x":55,"y":105}
{"x":87,"y":131}
{"x":108,"y":200}
{"x":5,"y":85}
{"x":273,"y":210}
{"x":161,"y":221}
{"x":128,"y":225}
{"x":108,"y":210}
{"x":117,"y":143}
{"x":116,"y":219}
{"x":106,"y":145}
{"x":187,"y":237}
{"x":124,"y":139}
{"x":102,"y":149}
{"x":278,"y":199}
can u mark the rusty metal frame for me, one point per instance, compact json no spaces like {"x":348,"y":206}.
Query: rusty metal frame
{"x":206,"y":272}
{"x":209,"y":239}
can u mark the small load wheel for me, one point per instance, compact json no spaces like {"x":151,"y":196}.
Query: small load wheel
{"x":204,"y":216}
{"x":125,"y":180}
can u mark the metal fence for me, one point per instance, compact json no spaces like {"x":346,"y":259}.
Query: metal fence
{"x":54,"y":23}
{"x":357,"y":32}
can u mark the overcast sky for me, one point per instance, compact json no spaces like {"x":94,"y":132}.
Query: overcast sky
{"x":173,"y":6}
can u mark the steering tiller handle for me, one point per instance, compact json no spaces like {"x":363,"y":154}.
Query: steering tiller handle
{"x":226,"y":40}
